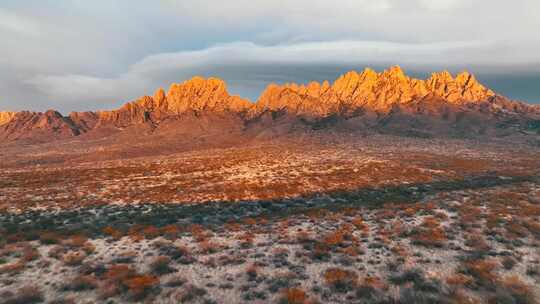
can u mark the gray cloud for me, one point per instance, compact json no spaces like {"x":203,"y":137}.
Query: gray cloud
{"x":77,"y":55}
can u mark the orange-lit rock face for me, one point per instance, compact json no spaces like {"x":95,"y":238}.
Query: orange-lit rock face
{"x":201,"y":94}
{"x":197,"y":94}
{"x":370,"y":90}
{"x":5,"y":117}
{"x":379,"y":95}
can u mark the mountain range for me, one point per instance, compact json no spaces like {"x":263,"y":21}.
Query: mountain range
{"x":388,"y":102}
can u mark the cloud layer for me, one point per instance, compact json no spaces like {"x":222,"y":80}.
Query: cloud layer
{"x":76,"y":55}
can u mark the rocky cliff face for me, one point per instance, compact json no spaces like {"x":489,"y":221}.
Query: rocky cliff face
{"x":5,"y":117}
{"x":369,"y":90}
{"x":197,"y":95}
{"x":389,"y":99}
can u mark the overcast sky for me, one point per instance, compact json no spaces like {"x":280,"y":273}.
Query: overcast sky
{"x":86,"y":55}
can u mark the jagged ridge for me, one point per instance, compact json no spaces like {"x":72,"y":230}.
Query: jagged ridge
{"x":370,"y":90}
{"x":385,"y":93}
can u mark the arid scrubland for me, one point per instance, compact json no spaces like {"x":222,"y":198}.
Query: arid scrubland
{"x":381,"y":220}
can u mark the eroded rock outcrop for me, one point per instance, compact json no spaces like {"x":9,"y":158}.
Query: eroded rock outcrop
{"x":369,"y":90}
{"x":5,"y":117}
{"x":196,"y":95}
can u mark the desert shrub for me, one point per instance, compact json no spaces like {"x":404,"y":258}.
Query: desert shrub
{"x":429,"y":233}
{"x":417,"y":279}
{"x":75,"y":241}
{"x":161,"y":265}
{"x":176,"y":281}
{"x":177,"y":253}
{"x":117,"y":273}
{"x":408,"y":276}
{"x":516,"y":229}
{"x":459,"y":296}
{"x":281,"y":281}
{"x":249,"y":221}
{"x":320,"y":252}
{"x":477,"y":242}
{"x":190,"y":293}
{"x":56,"y":252}
{"x":170,"y":232}
{"x":151,"y":232}
{"x":88,"y":248}
{"x":251,"y":295}
{"x":513,"y":289}
{"x":121,"y":278}
{"x":79,"y":242}
{"x":533,"y":227}
{"x":458,"y":280}
{"x":359,"y":223}
{"x":371,"y":288}
{"x":400,"y":250}
{"x":352,"y":251}
{"x":533,"y":270}
{"x":140,"y":286}
{"x":508,"y":262}
{"x":232,"y":226}
{"x":246,"y":239}
{"x":74,"y":258}
{"x":49,"y":238}
{"x":293,"y":296}
{"x":80,"y":283}
{"x":482,"y":271}
{"x":334,"y":238}
{"x":429,"y":237}
{"x":252,"y":271}
{"x":126,"y":257}
{"x":199,"y":233}
{"x":208,"y":247}
{"x":340,"y":280}
{"x":135,"y":234}
{"x":113,"y":233}
{"x":303,"y":237}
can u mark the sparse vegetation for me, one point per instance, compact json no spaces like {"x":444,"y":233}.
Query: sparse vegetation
{"x":328,"y":226}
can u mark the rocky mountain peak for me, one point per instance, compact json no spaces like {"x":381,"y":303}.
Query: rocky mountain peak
{"x":200,"y":94}
{"x":372,"y":91}
{"x":159,"y":97}
{"x":5,"y":117}
{"x":394,"y":72}
{"x":197,"y":94}
{"x":351,"y":95}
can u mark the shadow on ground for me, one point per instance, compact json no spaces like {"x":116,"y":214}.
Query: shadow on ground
{"x":92,"y":220}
